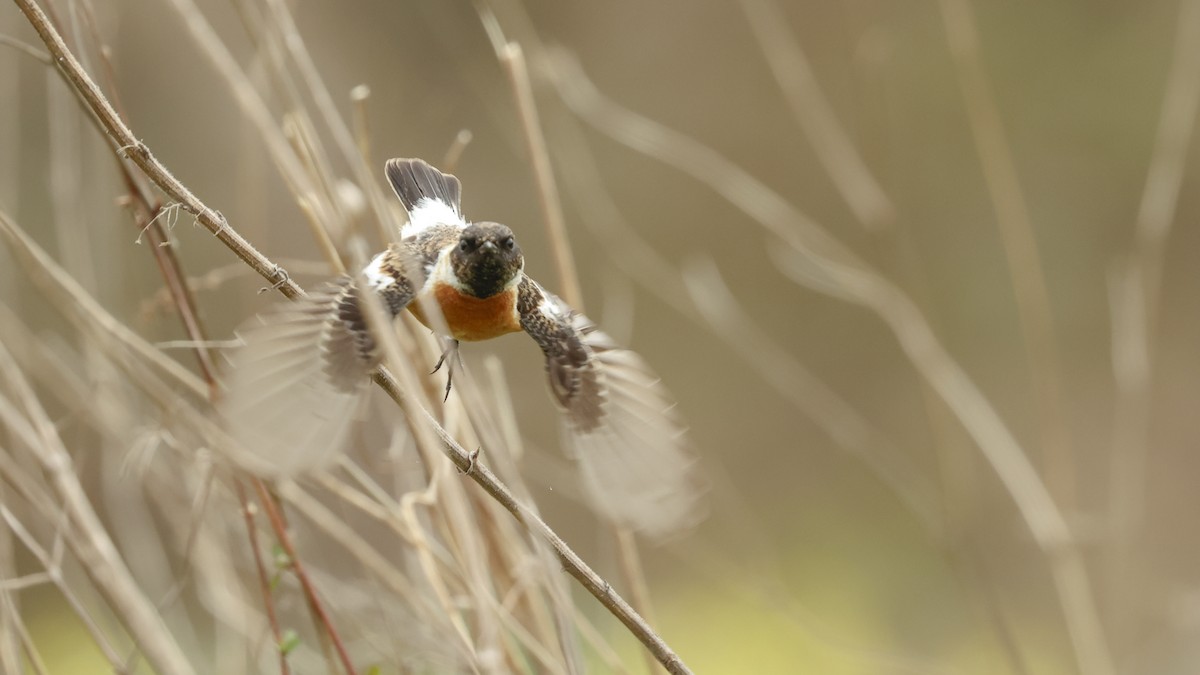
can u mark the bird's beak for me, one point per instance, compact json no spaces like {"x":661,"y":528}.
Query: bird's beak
{"x":489,"y":246}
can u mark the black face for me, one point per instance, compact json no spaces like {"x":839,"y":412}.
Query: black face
{"x":486,"y":258}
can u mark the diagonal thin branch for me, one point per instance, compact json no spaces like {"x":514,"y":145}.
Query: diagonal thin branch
{"x":1035,"y":315}
{"x":836,"y":152}
{"x":212,"y":220}
{"x":261,"y":570}
{"x":139,"y":153}
{"x":513,"y":59}
{"x":1134,"y":291}
{"x":95,"y":549}
{"x":815,"y":257}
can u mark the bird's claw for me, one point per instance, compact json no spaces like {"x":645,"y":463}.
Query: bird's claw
{"x":451,"y":351}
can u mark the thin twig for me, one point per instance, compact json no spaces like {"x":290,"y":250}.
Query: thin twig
{"x":709,"y":304}
{"x":343,"y":137}
{"x":575,"y":566}
{"x":276,"y":519}
{"x":15,"y":630}
{"x":1036,"y":316}
{"x":54,"y":571}
{"x":814,"y":257}
{"x":10,"y":659}
{"x":1135,"y":289}
{"x":815,"y":116}
{"x":181,"y":294}
{"x":140,"y":154}
{"x":629,"y":561}
{"x":95,"y":549}
{"x":149,"y":210}
{"x":25,"y":48}
{"x":454,"y":153}
{"x":264,"y":581}
{"x":513,"y":60}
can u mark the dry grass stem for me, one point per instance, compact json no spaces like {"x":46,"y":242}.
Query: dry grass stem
{"x":1020,"y":247}
{"x":51,"y":561}
{"x":139,"y":153}
{"x":1135,"y":287}
{"x":513,"y":59}
{"x":89,"y":541}
{"x":811,"y":253}
{"x":704,"y":299}
{"x":217,"y":224}
{"x":815,"y":116}
{"x":455,"y":152}
{"x":27,"y":49}
{"x":887,"y":160}
{"x":716,"y":303}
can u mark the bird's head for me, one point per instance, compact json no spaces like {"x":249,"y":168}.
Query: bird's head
{"x":486,"y":260}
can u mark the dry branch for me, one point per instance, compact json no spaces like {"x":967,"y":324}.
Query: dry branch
{"x":129,"y":146}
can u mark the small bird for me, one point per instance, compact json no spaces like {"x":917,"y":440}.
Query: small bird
{"x":295,"y":385}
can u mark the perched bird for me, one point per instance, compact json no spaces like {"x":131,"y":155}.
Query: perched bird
{"x":294,"y":386}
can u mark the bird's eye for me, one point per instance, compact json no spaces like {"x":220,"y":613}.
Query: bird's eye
{"x":464,"y":245}
{"x":509,"y":243}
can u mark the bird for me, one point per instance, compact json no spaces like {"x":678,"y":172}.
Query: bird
{"x":295,"y":384}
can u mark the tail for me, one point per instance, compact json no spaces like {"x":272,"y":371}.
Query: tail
{"x":430,"y":196}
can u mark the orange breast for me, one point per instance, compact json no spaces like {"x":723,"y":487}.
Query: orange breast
{"x":471,"y":319}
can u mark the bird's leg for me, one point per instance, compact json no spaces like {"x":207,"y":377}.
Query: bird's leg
{"x":450,"y":351}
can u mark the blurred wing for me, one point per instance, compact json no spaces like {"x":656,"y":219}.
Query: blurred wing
{"x":294,"y":388}
{"x":619,"y":422}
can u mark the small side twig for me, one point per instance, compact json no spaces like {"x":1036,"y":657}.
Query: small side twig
{"x":209,"y":218}
{"x":91,"y":544}
{"x":27,"y":49}
{"x":138,"y":152}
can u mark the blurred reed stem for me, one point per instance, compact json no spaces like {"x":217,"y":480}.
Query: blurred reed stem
{"x":304,"y":177}
{"x":808,"y":254}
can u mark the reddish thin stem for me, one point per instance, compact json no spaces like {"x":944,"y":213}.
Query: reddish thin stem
{"x":263,"y":580}
{"x":310,"y":591}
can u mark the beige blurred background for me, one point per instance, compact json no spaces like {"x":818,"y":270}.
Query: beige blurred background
{"x":814,"y":559}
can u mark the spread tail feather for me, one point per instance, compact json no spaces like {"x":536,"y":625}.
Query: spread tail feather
{"x":429,"y":196}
